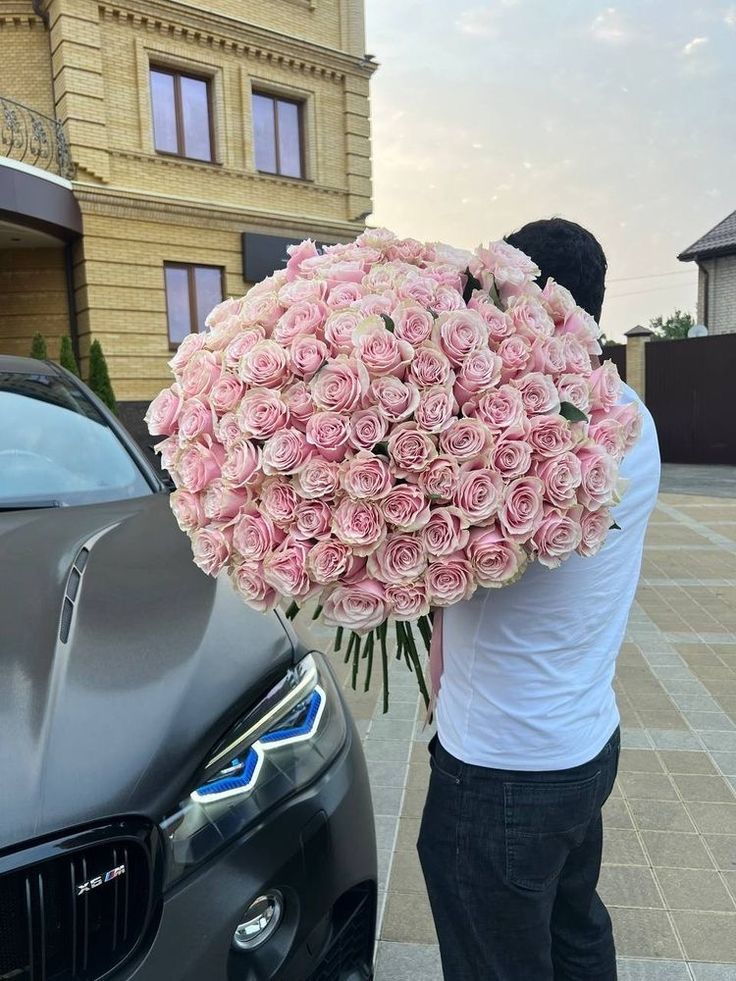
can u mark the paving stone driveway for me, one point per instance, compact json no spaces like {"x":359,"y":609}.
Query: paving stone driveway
{"x":669,"y":874}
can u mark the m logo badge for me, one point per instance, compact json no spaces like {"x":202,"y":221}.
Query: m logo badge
{"x":100,"y":880}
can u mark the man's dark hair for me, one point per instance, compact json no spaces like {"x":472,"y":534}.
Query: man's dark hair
{"x":569,"y":254}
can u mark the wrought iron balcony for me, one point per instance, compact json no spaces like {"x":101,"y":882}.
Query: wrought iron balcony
{"x":35,"y":139}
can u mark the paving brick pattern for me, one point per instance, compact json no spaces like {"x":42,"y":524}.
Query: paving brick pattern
{"x":669,"y":874}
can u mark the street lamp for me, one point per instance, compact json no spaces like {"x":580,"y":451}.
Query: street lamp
{"x":698,"y":330}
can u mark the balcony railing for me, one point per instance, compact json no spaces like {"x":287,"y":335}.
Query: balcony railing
{"x":35,"y":139}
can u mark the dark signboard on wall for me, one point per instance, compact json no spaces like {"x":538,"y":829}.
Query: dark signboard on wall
{"x":263,"y":254}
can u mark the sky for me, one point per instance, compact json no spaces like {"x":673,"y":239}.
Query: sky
{"x":489,"y":114}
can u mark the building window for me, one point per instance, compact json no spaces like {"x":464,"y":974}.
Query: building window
{"x":191,"y":292}
{"x":182,"y":116}
{"x":278,"y":135}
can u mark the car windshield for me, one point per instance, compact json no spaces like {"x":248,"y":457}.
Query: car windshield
{"x":57,"y":449}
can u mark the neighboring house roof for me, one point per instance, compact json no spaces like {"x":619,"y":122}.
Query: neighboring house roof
{"x":720,"y":240}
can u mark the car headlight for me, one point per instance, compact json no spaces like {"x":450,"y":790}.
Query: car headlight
{"x":278,"y":747}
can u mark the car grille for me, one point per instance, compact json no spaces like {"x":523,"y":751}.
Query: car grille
{"x":350,"y":954}
{"x":74,"y":909}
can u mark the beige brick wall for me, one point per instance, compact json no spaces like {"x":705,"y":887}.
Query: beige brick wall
{"x":33,"y":299}
{"x":25,"y":60}
{"x":720,"y":285}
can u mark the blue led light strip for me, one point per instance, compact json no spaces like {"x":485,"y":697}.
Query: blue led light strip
{"x":242,"y":776}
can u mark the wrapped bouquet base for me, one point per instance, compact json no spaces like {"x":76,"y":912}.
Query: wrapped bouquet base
{"x":386,"y":426}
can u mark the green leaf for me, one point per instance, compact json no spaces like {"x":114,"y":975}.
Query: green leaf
{"x":615,"y":527}
{"x":381,"y":448}
{"x":292,"y":611}
{"x":388,"y":322}
{"x":572,"y":413}
{"x":471,"y":284}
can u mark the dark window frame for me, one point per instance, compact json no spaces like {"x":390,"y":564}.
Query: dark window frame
{"x":177,"y":74}
{"x":300,"y":107}
{"x":190,"y":268}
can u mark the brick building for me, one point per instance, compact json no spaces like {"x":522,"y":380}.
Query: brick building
{"x":156,"y":155}
{"x":715,"y":255}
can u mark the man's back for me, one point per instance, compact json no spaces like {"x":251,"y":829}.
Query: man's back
{"x":528,"y":669}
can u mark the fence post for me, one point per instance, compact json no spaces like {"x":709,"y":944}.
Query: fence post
{"x":636,"y":359}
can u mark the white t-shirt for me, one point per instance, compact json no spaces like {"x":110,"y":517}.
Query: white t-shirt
{"x":528,"y":669}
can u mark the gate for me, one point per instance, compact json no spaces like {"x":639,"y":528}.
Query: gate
{"x":689,"y":391}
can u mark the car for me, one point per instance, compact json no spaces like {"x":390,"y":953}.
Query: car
{"x":184,"y":794}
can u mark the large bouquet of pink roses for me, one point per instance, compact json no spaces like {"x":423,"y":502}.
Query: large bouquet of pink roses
{"x":387,"y":426}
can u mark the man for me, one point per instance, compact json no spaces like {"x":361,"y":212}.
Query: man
{"x":527,"y":741}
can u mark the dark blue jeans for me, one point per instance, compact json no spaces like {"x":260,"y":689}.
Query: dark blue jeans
{"x":511,"y":860}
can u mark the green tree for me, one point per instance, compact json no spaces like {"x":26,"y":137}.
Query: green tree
{"x":99,"y":377}
{"x":66,"y":356}
{"x":38,"y":347}
{"x":673,"y":327}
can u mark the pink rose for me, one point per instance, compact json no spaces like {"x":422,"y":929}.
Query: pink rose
{"x":605,"y":386}
{"x":262,"y":308}
{"x":550,"y":436}
{"x":360,"y":606}
{"x":201,"y":372}
{"x":339,"y":329}
{"x":495,"y":562}
{"x":377,"y":238}
{"x":318,"y":478}
{"x":582,"y":326}
{"x":271,"y":284}
{"x":406,"y":250}
{"x":479,"y":372}
{"x":285,"y":569}
{"x":184,"y":353}
{"x":226,"y":393}
{"x":367,"y":427}
{"x":300,"y":320}
{"x":419,"y":289}
{"x":400,"y":558}
{"x":242,"y":466}
{"x":503,"y":263}
{"x":412,"y":323}
{"x":359,"y":524}
{"x":223,"y":501}
{"x":307,"y":356}
{"x":188,"y":510}
{"x":557,"y":537}
{"x":407,"y":601}
{"x":298,"y":401}
{"x":599,"y":475}
{"x":299,"y":290}
{"x":440,"y":479}
{"x":561,"y":476}
{"x":558,"y":301}
{"x":266,"y":365}
{"x":217,"y":338}
{"x":366,"y":476}
{"x":328,"y":433}
{"x":395,"y":400}
{"x":170,"y":452}
{"x":502,"y":409}
{"x":447,"y":300}
{"x":285,"y":452}
{"x":466,"y":439}
{"x":211,"y":549}
{"x":514,"y":352}
{"x":163,"y":413}
{"x":511,"y":457}
{"x":247,"y":577}
{"x":240,"y":345}
{"x":436,"y":409}
{"x":499,"y":323}
{"x":445,"y":532}
{"x":379,"y":350}
{"x":343,"y":294}
{"x":449,"y":580}
{"x":630,"y":418}
{"x":200,"y":464}
{"x":548,"y":356}
{"x":255,"y":535}
{"x":406,"y":508}
{"x":409,"y":449}
{"x":594,"y":526}
{"x":610,"y":434}
{"x":196,"y":420}
{"x":538,"y":393}
{"x":522,"y":510}
{"x":297,"y":255}
{"x":329,"y":561}
{"x":460,"y":333}
{"x":574,"y":389}
{"x":313,"y":519}
{"x":374,"y":304}
{"x":223,"y":312}
{"x":340,"y":385}
{"x":577,"y":358}
{"x":279,"y":500}
{"x":261,"y":413}
{"x":479,"y":494}
{"x":529,"y":318}
{"x":429,"y":367}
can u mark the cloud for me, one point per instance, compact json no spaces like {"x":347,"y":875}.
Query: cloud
{"x":692,"y":46}
{"x":608,"y":27}
{"x":729,"y":18}
{"x":477,"y":22}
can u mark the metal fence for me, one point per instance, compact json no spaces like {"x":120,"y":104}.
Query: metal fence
{"x":30,"y":137}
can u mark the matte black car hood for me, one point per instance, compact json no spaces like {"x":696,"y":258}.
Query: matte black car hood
{"x":160,"y":659}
